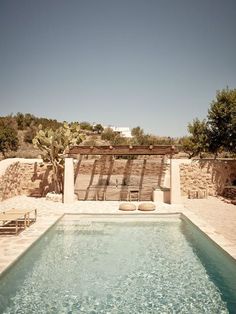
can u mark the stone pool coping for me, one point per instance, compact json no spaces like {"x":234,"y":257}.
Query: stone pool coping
{"x":227,"y":246}
{"x":13,"y":247}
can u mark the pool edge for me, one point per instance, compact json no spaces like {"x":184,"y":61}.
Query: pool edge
{"x":220,"y":241}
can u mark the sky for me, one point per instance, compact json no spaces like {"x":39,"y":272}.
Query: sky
{"x":156,"y":64}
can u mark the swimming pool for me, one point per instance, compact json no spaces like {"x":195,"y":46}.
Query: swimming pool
{"x":92,"y":265}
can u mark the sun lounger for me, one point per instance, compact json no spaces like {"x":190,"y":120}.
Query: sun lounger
{"x":13,"y":220}
{"x":30,"y":215}
{"x":11,"y":223}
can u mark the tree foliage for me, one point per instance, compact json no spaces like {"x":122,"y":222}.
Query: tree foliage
{"x":222,"y":122}
{"x":108,"y":135}
{"x":137,"y":132}
{"x":53,"y":143}
{"x":26,"y":121}
{"x":8,"y":137}
{"x":8,"y":140}
{"x":140,"y":138}
{"x":218,"y":132}
{"x":86,"y":126}
{"x":197,"y":142}
{"x":98,"y":128}
{"x":114,"y":138}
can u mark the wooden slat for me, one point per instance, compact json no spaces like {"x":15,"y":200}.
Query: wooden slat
{"x":121,"y":150}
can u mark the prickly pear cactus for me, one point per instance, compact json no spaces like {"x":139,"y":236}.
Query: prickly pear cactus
{"x":53,"y":144}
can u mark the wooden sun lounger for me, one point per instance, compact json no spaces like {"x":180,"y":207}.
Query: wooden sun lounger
{"x":24,"y":213}
{"x":12,"y":223}
{"x":16,"y":219}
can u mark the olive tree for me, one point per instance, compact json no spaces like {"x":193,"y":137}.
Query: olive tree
{"x":222,"y":122}
{"x":197,"y":142}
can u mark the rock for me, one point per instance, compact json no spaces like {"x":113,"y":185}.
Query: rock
{"x":54,"y":197}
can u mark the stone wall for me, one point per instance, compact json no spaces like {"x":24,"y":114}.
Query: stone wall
{"x":31,"y":179}
{"x":116,"y":177}
{"x":210,"y":175}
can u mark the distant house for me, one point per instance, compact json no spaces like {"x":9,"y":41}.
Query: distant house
{"x":123,"y":131}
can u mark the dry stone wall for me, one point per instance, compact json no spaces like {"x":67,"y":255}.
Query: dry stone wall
{"x":210,"y":175}
{"x":25,"y":179}
{"x":112,"y":176}
{"x":115,"y":177}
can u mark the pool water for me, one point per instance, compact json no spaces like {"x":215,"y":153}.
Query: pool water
{"x":83,"y":266}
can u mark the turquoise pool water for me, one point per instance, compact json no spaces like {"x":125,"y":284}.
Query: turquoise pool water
{"x":129,"y":267}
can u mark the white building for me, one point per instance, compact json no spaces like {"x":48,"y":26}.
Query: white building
{"x":123,"y":131}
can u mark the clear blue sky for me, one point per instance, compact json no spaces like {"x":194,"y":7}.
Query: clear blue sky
{"x":152,"y":63}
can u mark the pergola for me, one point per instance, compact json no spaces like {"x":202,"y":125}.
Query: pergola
{"x":121,"y":150}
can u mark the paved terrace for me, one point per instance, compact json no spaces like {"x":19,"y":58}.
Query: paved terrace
{"x":213,"y":216}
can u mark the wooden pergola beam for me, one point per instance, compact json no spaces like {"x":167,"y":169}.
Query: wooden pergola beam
{"x":120,"y":150}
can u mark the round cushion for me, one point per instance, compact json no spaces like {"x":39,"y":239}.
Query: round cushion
{"x":127,"y":206}
{"x":147,"y":206}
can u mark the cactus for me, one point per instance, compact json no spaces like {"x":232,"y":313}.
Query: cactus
{"x":53,"y":144}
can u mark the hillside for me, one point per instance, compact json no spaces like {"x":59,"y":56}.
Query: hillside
{"x":25,"y":150}
{"x":23,"y":128}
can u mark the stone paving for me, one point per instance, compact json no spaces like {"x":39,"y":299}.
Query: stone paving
{"x":217,"y":213}
{"x":216,"y":218}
